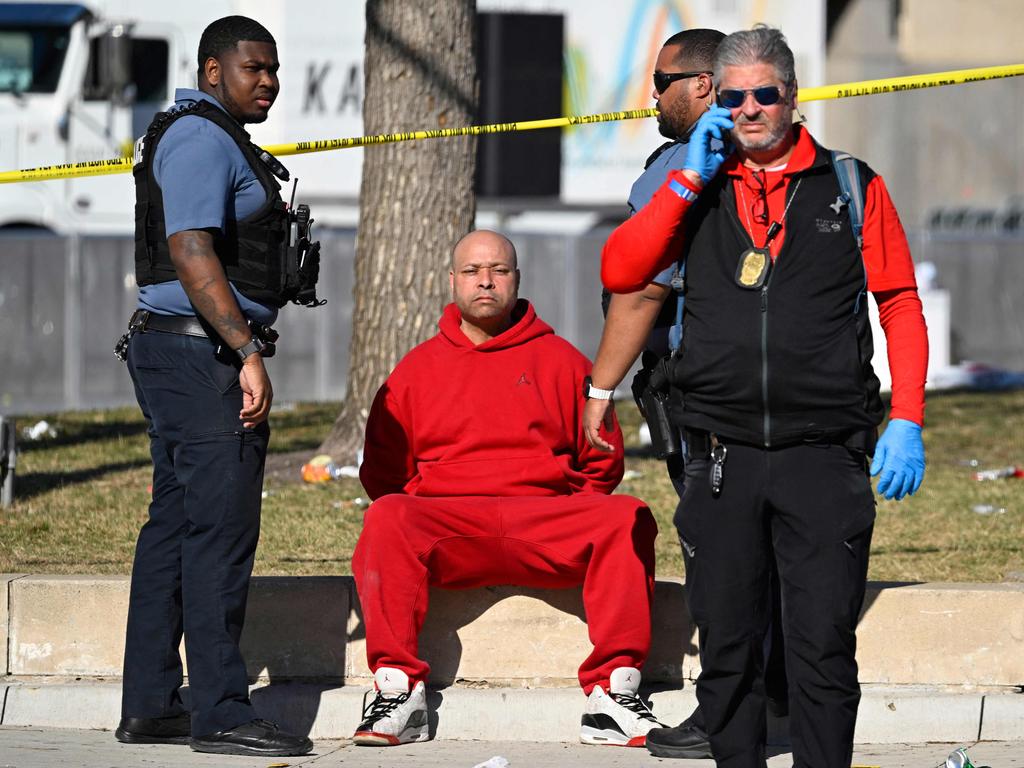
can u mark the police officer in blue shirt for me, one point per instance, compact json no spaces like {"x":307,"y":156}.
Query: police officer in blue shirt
{"x":644,"y":320}
{"x":212,"y":262}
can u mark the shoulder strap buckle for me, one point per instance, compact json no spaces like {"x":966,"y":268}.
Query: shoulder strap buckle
{"x":852,"y":193}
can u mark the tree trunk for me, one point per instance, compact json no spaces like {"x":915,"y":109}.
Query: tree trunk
{"x":416,"y":198}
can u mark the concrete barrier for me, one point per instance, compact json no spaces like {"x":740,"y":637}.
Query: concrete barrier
{"x":5,"y":580}
{"x":75,"y":625}
{"x":310,"y":629}
{"x":943,"y":634}
{"x":529,"y":637}
{"x":938,"y":661}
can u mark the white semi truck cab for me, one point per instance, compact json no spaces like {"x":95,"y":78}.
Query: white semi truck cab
{"x":77,"y":87}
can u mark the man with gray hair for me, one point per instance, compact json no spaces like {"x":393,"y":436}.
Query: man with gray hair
{"x":648,"y":322}
{"x":774,"y":390}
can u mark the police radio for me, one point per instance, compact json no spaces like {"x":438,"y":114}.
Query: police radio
{"x":302,"y":258}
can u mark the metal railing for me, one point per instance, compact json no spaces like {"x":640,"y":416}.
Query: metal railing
{"x":64,"y":302}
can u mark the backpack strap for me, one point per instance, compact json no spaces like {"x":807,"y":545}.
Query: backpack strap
{"x":675,"y":332}
{"x":845,"y":167}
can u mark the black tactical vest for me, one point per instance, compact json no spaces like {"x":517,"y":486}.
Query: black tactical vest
{"x":790,"y":361}
{"x":253,"y":250}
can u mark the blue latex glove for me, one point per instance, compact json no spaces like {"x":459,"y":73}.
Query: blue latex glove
{"x":899,"y":457}
{"x":715,"y":123}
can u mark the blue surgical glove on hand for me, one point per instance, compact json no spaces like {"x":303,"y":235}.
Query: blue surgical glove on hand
{"x":899,"y":457}
{"x":715,"y":123}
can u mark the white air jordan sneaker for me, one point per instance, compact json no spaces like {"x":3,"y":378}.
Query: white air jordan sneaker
{"x":396,"y":715}
{"x":619,"y":717}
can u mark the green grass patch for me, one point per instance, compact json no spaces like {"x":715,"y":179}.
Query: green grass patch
{"x":81,"y":497}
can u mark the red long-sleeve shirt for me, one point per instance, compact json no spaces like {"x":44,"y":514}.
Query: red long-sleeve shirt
{"x":651,"y":240}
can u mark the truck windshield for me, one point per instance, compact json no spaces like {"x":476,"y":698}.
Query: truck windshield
{"x":31,"y":58}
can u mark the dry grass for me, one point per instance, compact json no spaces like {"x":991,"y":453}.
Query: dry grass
{"x":81,"y":497}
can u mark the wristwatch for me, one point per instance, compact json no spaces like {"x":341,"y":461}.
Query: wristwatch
{"x":254,"y":345}
{"x":590,"y":392}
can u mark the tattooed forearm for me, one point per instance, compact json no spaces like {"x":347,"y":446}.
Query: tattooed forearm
{"x":202,"y":276}
{"x":227,"y":321}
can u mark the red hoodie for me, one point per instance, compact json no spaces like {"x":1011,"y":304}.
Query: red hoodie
{"x":500,"y":418}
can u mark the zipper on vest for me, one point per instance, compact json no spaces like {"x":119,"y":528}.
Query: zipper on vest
{"x":764,"y":364}
{"x":767,"y":416}
{"x":732,"y":216}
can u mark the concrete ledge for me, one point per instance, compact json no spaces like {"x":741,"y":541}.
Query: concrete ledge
{"x":894,"y":716}
{"x":310,"y":629}
{"x":5,"y":585}
{"x":63,"y":705}
{"x":1003,"y":717}
{"x":528,"y":637}
{"x":75,"y":625}
{"x":887,"y":715}
{"x":67,"y":625}
{"x":942,"y":634}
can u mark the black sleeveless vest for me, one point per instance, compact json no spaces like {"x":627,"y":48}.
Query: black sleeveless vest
{"x":253,"y":250}
{"x":790,"y":361}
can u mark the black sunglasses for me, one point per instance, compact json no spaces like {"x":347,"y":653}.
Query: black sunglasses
{"x":766,"y":95}
{"x":662,"y":80}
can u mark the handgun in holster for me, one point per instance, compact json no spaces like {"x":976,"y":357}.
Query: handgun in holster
{"x":651,"y":393}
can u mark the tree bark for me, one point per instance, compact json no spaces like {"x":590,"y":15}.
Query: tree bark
{"x":416,"y":199}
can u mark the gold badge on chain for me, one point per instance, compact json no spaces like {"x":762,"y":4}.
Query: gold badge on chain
{"x":753,"y":268}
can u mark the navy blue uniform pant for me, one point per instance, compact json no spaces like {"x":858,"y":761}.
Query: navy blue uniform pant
{"x":810,"y":509}
{"x":195,"y":553}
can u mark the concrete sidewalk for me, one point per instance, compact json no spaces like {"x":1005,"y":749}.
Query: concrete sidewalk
{"x":886,"y":715}
{"x":46,"y":747}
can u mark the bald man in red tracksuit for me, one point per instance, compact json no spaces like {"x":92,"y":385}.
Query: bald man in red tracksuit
{"x":481,"y":475}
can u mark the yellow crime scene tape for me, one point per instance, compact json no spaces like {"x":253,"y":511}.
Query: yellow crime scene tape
{"x":841,"y":91}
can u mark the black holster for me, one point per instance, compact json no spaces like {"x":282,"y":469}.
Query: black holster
{"x":651,"y":393}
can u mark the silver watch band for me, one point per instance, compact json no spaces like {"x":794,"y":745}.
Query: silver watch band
{"x":254,"y":345}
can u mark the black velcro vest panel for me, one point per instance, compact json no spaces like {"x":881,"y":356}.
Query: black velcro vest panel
{"x":791,"y":361}
{"x":252,"y":250}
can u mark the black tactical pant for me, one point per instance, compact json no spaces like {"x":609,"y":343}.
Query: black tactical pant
{"x":810,"y":508}
{"x":195,"y":553}
{"x":776,"y":686}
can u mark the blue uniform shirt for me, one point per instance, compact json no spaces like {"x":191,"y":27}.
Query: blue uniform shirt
{"x":206,"y":182}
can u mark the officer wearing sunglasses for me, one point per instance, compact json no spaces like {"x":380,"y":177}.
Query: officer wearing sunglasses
{"x":646,"y":323}
{"x":774,"y":390}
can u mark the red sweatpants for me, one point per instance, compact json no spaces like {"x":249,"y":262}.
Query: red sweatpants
{"x":605,"y":543}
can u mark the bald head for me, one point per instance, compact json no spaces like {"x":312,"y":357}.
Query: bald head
{"x":481,"y":240}
{"x":484,"y":279}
